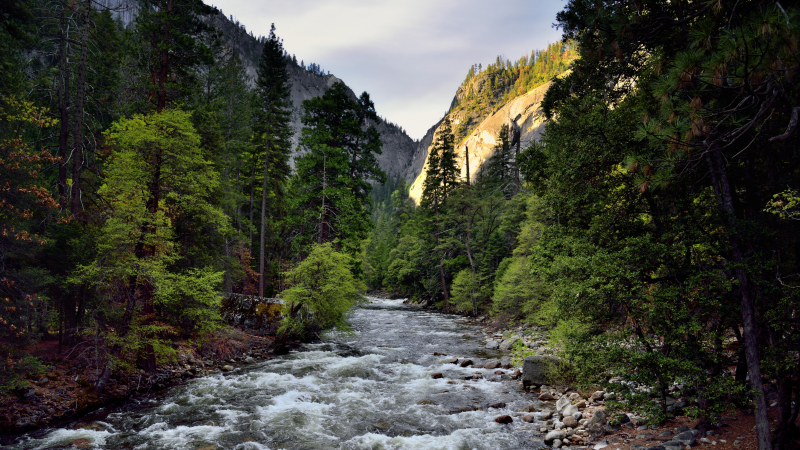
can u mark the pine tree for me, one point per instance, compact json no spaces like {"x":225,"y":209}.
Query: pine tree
{"x":334,"y":176}
{"x":172,"y":29}
{"x":272,"y":135}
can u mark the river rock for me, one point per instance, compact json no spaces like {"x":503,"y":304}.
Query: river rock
{"x":249,"y":360}
{"x":535,"y":368}
{"x":503,"y":419}
{"x":581,"y":404}
{"x":569,"y":410}
{"x":546,"y":396}
{"x":599,"y":416}
{"x":570,"y":422}
{"x":466,"y":363}
{"x":227,"y":368}
{"x":557,"y":443}
{"x":553,"y":435}
{"x":528,"y":418}
{"x":517,"y":373}
{"x":505,"y":361}
{"x":452,"y":361}
{"x":546,"y":414}
{"x":492,"y":365}
{"x":508,"y":344}
{"x":492,"y":345}
{"x":436,"y":375}
{"x":685,"y":438}
{"x":595,"y":430}
{"x":597,"y":395}
{"x":562,"y":403}
{"x":674,"y":445}
{"x":497,"y":405}
{"x":601,"y":445}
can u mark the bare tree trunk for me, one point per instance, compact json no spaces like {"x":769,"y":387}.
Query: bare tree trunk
{"x":80,"y":94}
{"x":466,"y":152}
{"x":262,"y":238}
{"x":722,"y":190}
{"x":252,"y":199}
{"x":63,"y":109}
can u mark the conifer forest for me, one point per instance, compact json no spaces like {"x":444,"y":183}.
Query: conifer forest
{"x":621,"y":207}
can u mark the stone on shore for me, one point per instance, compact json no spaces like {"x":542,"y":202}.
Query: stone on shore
{"x":492,"y":345}
{"x":570,"y":422}
{"x":553,"y":435}
{"x":599,"y":416}
{"x":686,"y":438}
{"x":535,"y":369}
{"x":508,"y":344}
{"x":562,"y":403}
{"x":227,"y":368}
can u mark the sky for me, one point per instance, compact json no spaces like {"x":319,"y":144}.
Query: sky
{"x":410,"y":55}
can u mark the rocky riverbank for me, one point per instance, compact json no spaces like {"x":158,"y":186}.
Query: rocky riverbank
{"x":579,"y":420}
{"x":66,"y":391}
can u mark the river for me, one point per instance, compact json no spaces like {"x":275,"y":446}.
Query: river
{"x":370,"y":389}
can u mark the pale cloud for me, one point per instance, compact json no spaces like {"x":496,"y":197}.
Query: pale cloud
{"x":410,"y":55}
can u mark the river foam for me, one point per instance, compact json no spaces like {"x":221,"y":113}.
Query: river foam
{"x":370,"y":389}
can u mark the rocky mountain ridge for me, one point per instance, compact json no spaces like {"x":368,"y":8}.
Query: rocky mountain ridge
{"x":398,"y":147}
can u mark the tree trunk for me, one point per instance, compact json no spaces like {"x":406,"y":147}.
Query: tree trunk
{"x":80,"y":93}
{"x":466,"y":153}
{"x":149,"y":251}
{"x":164,"y":66}
{"x":116,"y":349}
{"x":262,"y":238}
{"x":472,"y":267}
{"x":63,"y":109}
{"x":724,"y":194}
{"x":444,"y":287}
{"x":252,"y":200}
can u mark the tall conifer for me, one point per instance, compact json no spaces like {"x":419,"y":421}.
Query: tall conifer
{"x":272,"y":135}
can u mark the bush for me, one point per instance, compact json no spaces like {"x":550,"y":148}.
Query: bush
{"x":323,"y":291}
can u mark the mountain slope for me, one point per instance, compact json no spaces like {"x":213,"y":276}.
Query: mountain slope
{"x":504,"y":93}
{"x":398,"y":147}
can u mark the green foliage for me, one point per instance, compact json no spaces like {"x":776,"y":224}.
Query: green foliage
{"x":464,"y":290}
{"x":323,"y":289}
{"x":331,"y":186}
{"x":16,"y":368}
{"x":192,"y":298}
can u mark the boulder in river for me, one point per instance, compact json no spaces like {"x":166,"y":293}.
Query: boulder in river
{"x":436,"y":375}
{"x":497,"y":405}
{"x":466,"y":363}
{"x":528,"y":418}
{"x":227,"y":368}
{"x":492,"y":365}
{"x":492,"y":345}
{"x":504,"y":419}
{"x":535,"y":369}
{"x":570,"y":421}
